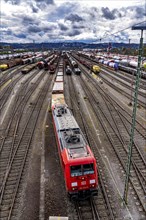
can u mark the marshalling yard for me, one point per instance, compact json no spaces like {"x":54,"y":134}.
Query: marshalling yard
{"x":99,"y":91}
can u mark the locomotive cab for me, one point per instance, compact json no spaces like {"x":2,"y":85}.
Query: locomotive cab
{"x":96,"y":69}
{"x":81,"y":177}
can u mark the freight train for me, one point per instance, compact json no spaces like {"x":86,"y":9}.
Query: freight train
{"x":116,"y":63}
{"x":93,"y":68}
{"x":10,"y":63}
{"x":73,"y":64}
{"x":77,"y":160}
{"x":52,"y":63}
{"x":26,"y":59}
{"x":125,"y":65}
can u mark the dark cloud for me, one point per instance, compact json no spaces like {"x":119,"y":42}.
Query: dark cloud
{"x":53,"y":37}
{"x":13,"y":2}
{"x":26,"y":19}
{"x":116,"y":13}
{"x":20,"y":35}
{"x":93,"y":12}
{"x":140,"y":12}
{"x":74,"y":26}
{"x":41,"y":4}
{"x":74,"y":33}
{"x":66,"y":8}
{"x":49,"y":2}
{"x":63,"y":27}
{"x":111,"y":15}
{"x":34,"y":9}
{"x":41,"y":29}
{"x":107,"y":14}
{"x":48,"y":28}
{"x":7,"y":32}
{"x":62,"y":11}
{"x":135,"y":12}
{"x":17,"y":2}
{"x":74,"y":18}
{"x":34,"y":29}
{"x":41,"y":34}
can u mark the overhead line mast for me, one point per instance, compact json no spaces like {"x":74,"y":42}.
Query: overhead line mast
{"x":138,"y":76}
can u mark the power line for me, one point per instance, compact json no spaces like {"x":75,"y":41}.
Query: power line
{"x":120,"y":30}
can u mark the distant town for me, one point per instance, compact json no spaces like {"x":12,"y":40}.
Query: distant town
{"x":121,"y":48}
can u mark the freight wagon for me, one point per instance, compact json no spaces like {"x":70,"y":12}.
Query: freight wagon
{"x":28,"y":68}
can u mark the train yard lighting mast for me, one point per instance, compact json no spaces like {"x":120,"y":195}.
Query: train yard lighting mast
{"x":138,"y":75}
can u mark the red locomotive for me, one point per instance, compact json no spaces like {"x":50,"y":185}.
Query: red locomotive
{"x":78,"y":162}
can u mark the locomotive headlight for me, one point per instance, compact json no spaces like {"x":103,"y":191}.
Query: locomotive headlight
{"x":92,"y":181}
{"x":74,"y":184}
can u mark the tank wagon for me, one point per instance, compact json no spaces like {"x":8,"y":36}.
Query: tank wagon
{"x":130,"y":67}
{"x":74,"y":65}
{"x":125,"y":65}
{"x":51,"y":63}
{"x":77,"y":160}
{"x":10,"y":63}
{"x":38,"y":57}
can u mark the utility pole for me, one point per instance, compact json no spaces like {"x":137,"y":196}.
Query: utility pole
{"x":138,"y":75}
{"x":33,"y":47}
{"x":128,"y":50}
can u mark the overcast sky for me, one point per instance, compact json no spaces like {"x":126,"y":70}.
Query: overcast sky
{"x":23,"y":21}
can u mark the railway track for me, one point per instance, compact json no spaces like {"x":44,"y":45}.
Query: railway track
{"x":119,"y":88}
{"x":124,"y":80}
{"x":116,"y":77}
{"x":7,"y":75}
{"x":124,"y":76}
{"x":87,"y":210}
{"x":7,"y":91}
{"x":94,"y":208}
{"x":4,"y":73}
{"x":121,"y":74}
{"x":129,"y":94}
{"x":16,"y":147}
{"x":118,"y":141}
{"x":127,"y":83}
{"x":19,"y":96}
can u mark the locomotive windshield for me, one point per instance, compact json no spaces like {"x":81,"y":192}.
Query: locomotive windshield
{"x":88,"y":168}
{"x":80,"y":170}
{"x":76,"y":170}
